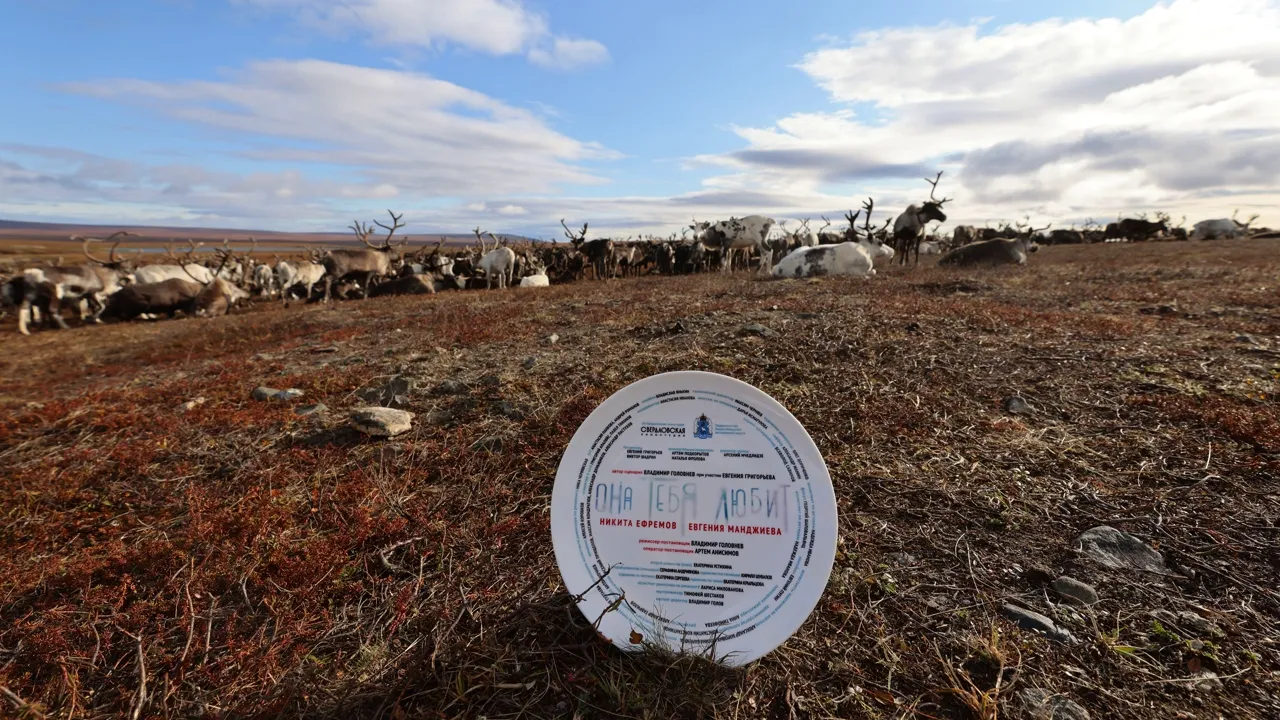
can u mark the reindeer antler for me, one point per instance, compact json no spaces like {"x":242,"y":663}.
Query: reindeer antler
{"x":869,"y":206}
{"x":396,"y":224}
{"x":362,"y":232}
{"x":580,"y":237}
{"x":111,"y":258}
{"x":933,"y":185}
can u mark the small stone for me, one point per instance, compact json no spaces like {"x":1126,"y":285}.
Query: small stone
{"x":492,"y":444}
{"x":902,"y":558}
{"x":439,"y":417}
{"x":1119,"y":550}
{"x":1015,"y":405}
{"x":451,"y":387}
{"x":1206,"y":681}
{"x":552,"y":339}
{"x":1037,"y":575}
{"x":757,"y":330}
{"x":381,"y":421}
{"x":305,"y":410}
{"x":1186,"y":620}
{"x":1044,"y":705}
{"x":529,"y":362}
{"x":507,"y":410}
{"x":1035,"y":622}
{"x":1076,"y":591}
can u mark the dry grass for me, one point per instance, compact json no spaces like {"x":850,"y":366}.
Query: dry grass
{"x":238,"y":560}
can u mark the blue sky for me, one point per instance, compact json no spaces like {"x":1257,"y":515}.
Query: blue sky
{"x":301,"y":114}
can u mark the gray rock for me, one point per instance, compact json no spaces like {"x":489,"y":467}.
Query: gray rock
{"x":1206,"y":681}
{"x":1076,"y":591}
{"x":305,"y":410}
{"x":492,"y":444}
{"x":263,"y":392}
{"x":1015,"y":405}
{"x":1035,"y":622}
{"x":507,"y":410}
{"x":902,"y":558}
{"x":439,"y":417}
{"x":1189,"y":623}
{"x":529,"y":362}
{"x":396,"y":393}
{"x":1037,"y":575}
{"x":756,"y":329}
{"x":1119,"y":550}
{"x":451,"y":387}
{"x":381,"y":421}
{"x":1043,"y":705}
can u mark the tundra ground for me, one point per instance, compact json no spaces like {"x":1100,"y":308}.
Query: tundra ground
{"x":239,"y":560}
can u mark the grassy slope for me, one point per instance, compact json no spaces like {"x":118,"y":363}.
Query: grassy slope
{"x":244,"y":560}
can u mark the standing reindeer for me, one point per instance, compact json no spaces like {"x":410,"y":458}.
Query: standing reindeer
{"x":908,"y":229}
{"x":598,"y":252}
{"x":50,"y":287}
{"x":366,"y":264}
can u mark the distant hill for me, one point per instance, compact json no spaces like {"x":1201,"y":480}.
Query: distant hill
{"x":16,"y":230}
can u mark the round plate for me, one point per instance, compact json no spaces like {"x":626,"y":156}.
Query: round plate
{"x":692,"y":511}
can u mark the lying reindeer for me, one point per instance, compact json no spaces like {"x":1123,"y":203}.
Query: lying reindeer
{"x":991,"y":253}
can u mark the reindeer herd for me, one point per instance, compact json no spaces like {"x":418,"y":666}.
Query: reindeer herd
{"x":124,"y":289}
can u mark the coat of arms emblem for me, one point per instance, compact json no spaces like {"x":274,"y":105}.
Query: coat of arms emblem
{"x":702,"y":430}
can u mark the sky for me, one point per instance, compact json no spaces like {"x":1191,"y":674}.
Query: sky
{"x":637,"y":116}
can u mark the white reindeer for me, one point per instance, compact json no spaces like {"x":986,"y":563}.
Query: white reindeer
{"x":854,"y":257}
{"x":736,"y":234}
{"x":1221,"y":228}
{"x":498,"y":264}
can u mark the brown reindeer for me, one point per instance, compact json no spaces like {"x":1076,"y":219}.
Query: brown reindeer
{"x":365,"y":264}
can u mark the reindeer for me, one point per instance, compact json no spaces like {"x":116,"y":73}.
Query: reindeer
{"x":174,"y":269}
{"x":367,"y":264}
{"x":496,"y":264}
{"x":963,"y":235}
{"x":51,"y":286}
{"x":597,"y":252}
{"x":737,"y":234}
{"x":220,"y":294}
{"x":855,"y":256}
{"x":1228,"y":228}
{"x":991,"y":253}
{"x":908,"y":229}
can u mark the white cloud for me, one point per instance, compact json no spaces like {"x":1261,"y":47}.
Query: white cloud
{"x":1176,"y":109}
{"x":567,"y":53}
{"x":399,"y":133}
{"x":1174,"y":106}
{"x":500,"y":27}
